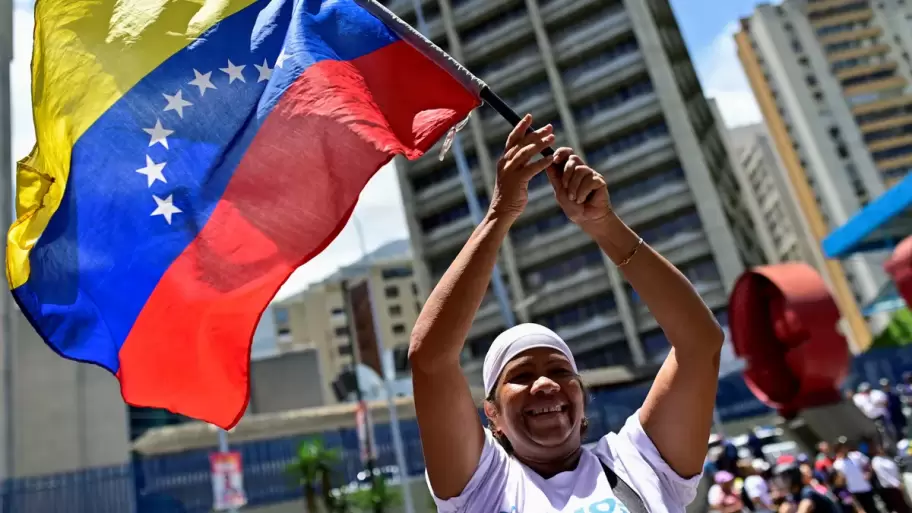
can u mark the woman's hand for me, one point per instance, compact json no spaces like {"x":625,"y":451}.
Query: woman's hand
{"x":515,"y":168}
{"x":580,"y":190}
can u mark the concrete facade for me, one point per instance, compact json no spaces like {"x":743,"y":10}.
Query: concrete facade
{"x":616,"y":81}
{"x":65,"y":415}
{"x":316,"y":318}
{"x":833,"y":81}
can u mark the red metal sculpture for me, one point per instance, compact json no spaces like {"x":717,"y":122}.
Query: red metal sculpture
{"x":783,"y":323}
{"x":899,"y":267}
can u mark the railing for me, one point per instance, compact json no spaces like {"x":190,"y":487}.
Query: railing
{"x":180,"y":483}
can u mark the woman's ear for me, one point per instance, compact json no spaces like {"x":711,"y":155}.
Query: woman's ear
{"x":490,"y":411}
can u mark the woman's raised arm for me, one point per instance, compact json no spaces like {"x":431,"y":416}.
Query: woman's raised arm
{"x":451,"y":433}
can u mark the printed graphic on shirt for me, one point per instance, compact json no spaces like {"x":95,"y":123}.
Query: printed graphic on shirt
{"x":609,"y":505}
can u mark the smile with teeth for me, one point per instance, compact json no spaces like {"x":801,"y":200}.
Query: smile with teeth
{"x":549,"y":409}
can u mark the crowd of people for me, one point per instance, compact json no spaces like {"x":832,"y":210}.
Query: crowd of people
{"x":862,"y":476}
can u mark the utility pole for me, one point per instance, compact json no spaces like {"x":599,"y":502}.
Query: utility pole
{"x":6,"y":219}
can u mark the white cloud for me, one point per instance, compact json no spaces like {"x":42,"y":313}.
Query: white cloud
{"x":724,"y":80}
{"x":379,"y":209}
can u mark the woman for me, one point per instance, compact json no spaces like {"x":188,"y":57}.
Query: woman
{"x":725,"y":495}
{"x":531,"y":459}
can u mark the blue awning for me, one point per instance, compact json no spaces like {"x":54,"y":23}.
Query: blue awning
{"x":886,"y":300}
{"x":879,"y":226}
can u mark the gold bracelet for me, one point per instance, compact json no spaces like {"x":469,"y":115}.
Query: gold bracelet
{"x":632,"y":253}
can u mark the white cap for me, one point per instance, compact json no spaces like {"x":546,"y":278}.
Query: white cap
{"x":514,"y":341}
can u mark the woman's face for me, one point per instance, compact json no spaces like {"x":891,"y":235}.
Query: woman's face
{"x":540,"y":402}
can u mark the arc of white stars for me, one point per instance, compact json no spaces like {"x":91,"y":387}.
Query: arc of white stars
{"x":280,"y":60}
{"x":159,"y":135}
{"x":165,"y":207}
{"x":177,"y":103}
{"x":203,"y":81}
{"x":265,"y":71}
{"x":153,"y":171}
{"x":235,"y":72}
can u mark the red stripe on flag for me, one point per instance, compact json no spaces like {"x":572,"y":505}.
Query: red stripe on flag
{"x":292,"y":193}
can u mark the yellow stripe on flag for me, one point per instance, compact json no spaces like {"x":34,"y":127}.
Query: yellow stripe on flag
{"x":87,"y":54}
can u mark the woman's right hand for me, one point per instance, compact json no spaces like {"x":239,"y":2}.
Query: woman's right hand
{"x":515,"y":167}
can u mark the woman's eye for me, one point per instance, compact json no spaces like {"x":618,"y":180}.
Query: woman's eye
{"x":521,"y":377}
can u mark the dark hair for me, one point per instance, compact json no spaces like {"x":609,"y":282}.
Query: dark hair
{"x":502,"y":439}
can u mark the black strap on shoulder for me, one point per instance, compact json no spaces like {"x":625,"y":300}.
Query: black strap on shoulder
{"x":624,"y":492}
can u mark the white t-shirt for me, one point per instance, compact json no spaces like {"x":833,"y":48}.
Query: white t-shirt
{"x":758,"y":490}
{"x":855,"y":479}
{"x":501,"y":484}
{"x":873,"y":404}
{"x":887,"y":472}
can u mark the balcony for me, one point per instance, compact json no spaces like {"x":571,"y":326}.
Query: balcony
{"x":606,"y":76}
{"x":545,"y":246}
{"x":444,"y":194}
{"x":713,"y":293}
{"x":579,"y":336}
{"x":403,"y":8}
{"x":435,"y":30}
{"x":684,"y":247}
{"x":473,"y":12}
{"x":555,"y":11}
{"x":607,"y":122}
{"x":487,"y":320}
{"x":448,"y":237}
{"x":667,"y":199}
{"x":588,"y":282}
{"x":338,"y":319}
{"x":648,"y":155}
{"x":526,"y":66}
{"x":502,"y":36}
{"x":595,"y":32}
{"x":541,"y":106}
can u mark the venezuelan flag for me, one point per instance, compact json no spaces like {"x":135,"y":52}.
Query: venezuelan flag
{"x":190,"y":155}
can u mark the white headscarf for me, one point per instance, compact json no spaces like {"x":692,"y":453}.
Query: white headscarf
{"x":514,"y":341}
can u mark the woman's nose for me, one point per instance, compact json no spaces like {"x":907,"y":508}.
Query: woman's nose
{"x":544,"y":385}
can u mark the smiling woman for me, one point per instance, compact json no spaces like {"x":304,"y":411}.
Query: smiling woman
{"x":530,"y":458}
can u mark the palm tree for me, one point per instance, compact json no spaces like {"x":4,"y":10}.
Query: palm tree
{"x":314,"y":464}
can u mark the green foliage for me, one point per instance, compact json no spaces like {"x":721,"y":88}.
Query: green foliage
{"x":313,"y":465}
{"x":897,"y":333}
{"x":379,"y":497}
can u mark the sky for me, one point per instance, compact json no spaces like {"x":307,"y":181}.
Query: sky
{"x":707,"y":26}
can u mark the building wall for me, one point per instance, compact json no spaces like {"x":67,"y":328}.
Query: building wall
{"x":66,"y":415}
{"x":316,"y":318}
{"x":288,"y":381}
{"x":832,"y":79}
{"x":616,"y":81}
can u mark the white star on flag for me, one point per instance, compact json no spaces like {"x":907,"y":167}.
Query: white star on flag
{"x":159,"y":134}
{"x":234,"y":72}
{"x":203,"y":81}
{"x":177,"y":103}
{"x":165,"y":207}
{"x":265,"y":71}
{"x":280,"y":60}
{"x":153,"y":171}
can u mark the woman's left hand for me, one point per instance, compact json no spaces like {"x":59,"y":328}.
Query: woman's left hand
{"x":581,"y":191}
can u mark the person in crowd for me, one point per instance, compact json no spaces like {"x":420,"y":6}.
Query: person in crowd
{"x":811,"y":478}
{"x":844,"y":498}
{"x":874,"y":404}
{"x":852,"y":465}
{"x":757,"y":488}
{"x":530,"y":458}
{"x":724,"y":496}
{"x":890,"y":486}
{"x":805,"y":498}
{"x":895,"y":413}
{"x":823,"y":462}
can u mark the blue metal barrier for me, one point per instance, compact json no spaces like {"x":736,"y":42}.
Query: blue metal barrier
{"x":180,"y":483}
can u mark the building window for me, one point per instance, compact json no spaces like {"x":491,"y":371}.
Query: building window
{"x":338,"y":311}
{"x":281,"y":315}
{"x":415,"y":289}
{"x":345,"y":350}
{"x":342,"y":331}
{"x":396,"y":272}
{"x":392,"y":291}
{"x":398,"y":329}
{"x":395,"y":310}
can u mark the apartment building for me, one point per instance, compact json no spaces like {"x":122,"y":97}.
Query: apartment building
{"x":833,"y":81}
{"x":615,"y":79}
{"x":317,"y":318}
